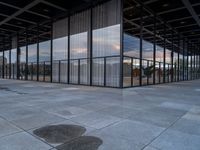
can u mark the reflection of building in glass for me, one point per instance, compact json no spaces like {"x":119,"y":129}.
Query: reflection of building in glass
{"x":114,"y":43}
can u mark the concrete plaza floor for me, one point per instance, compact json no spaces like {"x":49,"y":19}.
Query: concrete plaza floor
{"x":160,"y":117}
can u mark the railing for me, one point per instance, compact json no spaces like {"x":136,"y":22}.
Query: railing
{"x":105,"y":71}
{"x":148,"y":74}
{"x":101,"y":71}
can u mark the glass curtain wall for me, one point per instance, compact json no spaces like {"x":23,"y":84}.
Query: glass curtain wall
{"x":22,"y":56}
{"x":138,"y":46}
{"x":60,"y":51}
{"x":175,"y":64}
{"x":79,"y":48}
{"x":168,"y":72}
{"x":32,"y":56}
{"x":22,"y":59}
{"x":13,"y":63}
{"x":145,"y":40}
{"x":13,"y":58}
{"x":131,"y":45}
{"x":159,"y":63}
{"x":7,"y":63}
{"x":44,"y":71}
{"x":106,"y":44}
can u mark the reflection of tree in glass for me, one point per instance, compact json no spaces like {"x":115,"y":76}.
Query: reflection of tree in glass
{"x":148,"y":71}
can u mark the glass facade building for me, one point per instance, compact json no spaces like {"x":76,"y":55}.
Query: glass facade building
{"x":110,"y":44}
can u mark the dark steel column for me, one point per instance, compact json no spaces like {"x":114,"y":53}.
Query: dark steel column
{"x":191,"y":65}
{"x":59,"y":72}
{"x":44,"y":69}
{"x":68,"y":65}
{"x":141,"y":40}
{"x":194,"y":63}
{"x":121,"y":77}
{"x":178,"y":74}
{"x":187,"y":59}
{"x":3,"y":70}
{"x":37,"y":52}
{"x":26,"y":66}
{"x":105,"y":71}
{"x":79,"y":75}
{"x":91,"y":43}
{"x":51,"y":52}
{"x":199,"y":62}
{"x":183,"y":60}
{"x":18,"y":60}
{"x":154,"y":51}
{"x":164,"y":54}
{"x":172,"y":59}
{"x":131,"y":72}
{"x":10,"y":47}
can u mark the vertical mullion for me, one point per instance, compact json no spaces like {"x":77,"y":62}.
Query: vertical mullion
{"x":79,"y":71}
{"x":31,"y":71}
{"x":104,"y":71}
{"x":59,"y":71}
{"x":44,"y":71}
{"x":159,"y":72}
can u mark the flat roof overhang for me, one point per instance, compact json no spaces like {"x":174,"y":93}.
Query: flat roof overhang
{"x":16,"y":16}
{"x":180,"y":18}
{"x":176,"y":20}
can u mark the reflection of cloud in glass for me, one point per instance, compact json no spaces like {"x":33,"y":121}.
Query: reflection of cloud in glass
{"x":147,"y":50}
{"x":6,"y":55}
{"x":32,"y":53}
{"x":23,"y":54}
{"x":60,"y":46}
{"x":13,"y":55}
{"x":78,"y":45}
{"x":106,"y":41}
{"x":44,"y":51}
{"x":168,"y":56}
{"x":132,"y":48}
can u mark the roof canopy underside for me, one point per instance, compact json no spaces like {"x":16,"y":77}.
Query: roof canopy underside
{"x":179,"y":19}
